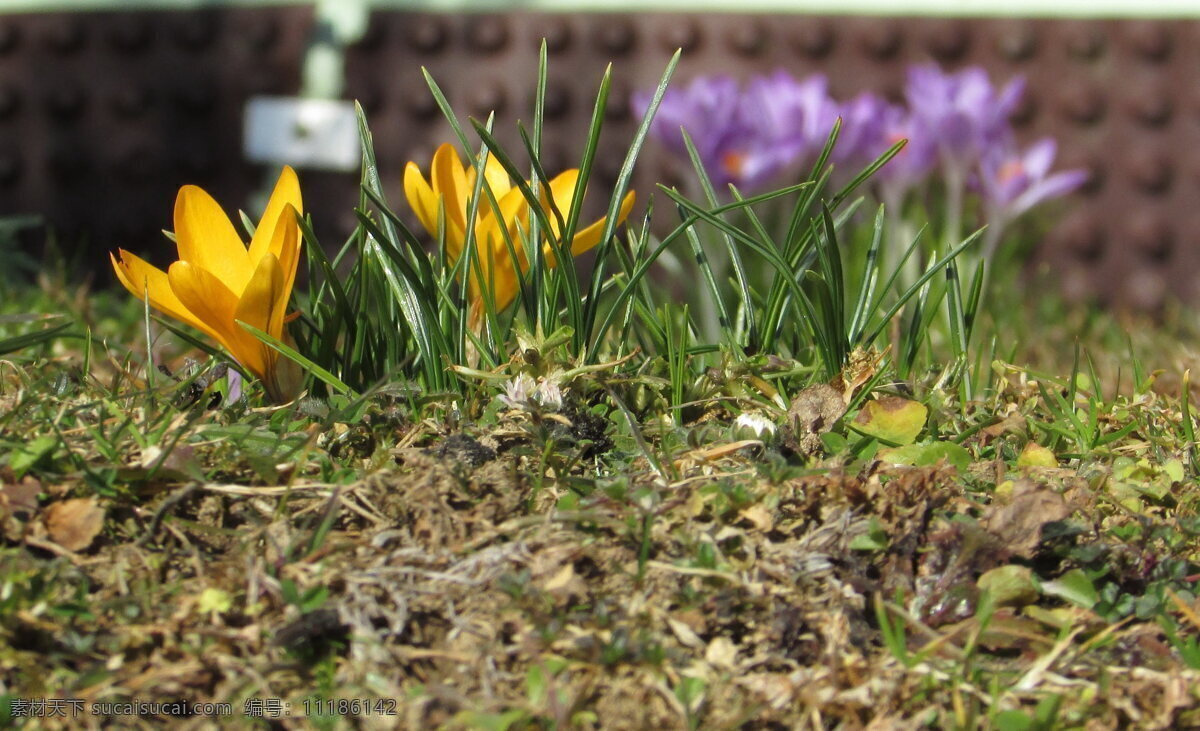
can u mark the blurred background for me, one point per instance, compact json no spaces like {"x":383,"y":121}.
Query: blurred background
{"x":106,"y":108}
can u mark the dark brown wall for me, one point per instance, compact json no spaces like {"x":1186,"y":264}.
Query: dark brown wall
{"x":104,"y":115}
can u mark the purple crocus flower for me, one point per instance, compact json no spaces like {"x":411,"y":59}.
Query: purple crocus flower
{"x":792,"y":117}
{"x":745,"y":137}
{"x":1011,"y":182}
{"x":915,"y":160}
{"x":707,"y":108}
{"x":862,"y":137}
{"x":710,"y":109}
{"x":962,"y":111}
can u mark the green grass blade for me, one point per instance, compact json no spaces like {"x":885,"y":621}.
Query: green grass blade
{"x":317,"y":371}
{"x":735,"y":257}
{"x":591,"y":309}
{"x":20,"y":342}
{"x":870,"y":279}
{"x":930,"y":271}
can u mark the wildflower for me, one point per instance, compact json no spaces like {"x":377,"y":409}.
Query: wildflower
{"x":235,"y":387}
{"x":518,"y":392}
{"x":745,"y":137}
{"x":791,"y":118}
{"x":962,"y":111}
{"x":218,"y":281}
{"x":526,"y":394}
{"x":708,"y":108}
{"x":755,"y":425}
{"x":862,"y":135}
{"x":1011,"y":182}
{"x":451,"y":184}
{"x":548,"y":394}
{"x":913,"y":163}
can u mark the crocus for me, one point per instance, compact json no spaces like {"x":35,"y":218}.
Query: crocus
{"x":863,"y":134}
{"x":961,"y":110}
{"x":912,"y":164}
{"x":791,"y":117}
{"x":1011,"y":182}
{"x":219,"y":281}
{"x":450,"y":186}
{"x":744,"y":137}
{"x":708,"y":108}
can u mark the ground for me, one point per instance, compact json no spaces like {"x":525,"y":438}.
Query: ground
{"x":414,"y":565}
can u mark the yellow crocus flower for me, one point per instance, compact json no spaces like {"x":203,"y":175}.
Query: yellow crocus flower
{"x":451,"y":184}
{"x":218,"y":280}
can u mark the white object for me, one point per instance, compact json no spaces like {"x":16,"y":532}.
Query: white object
{"x":305,"y":133}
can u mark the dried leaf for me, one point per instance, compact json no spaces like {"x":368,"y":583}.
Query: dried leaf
{"x":74,"y":524}
{"x":18,"y":505}
{"x":565,"y":583}
{"x":1018,"y":524}
{"x":721,"y":653}
{"x":860,"y":368}
{"x":814,"y":411}
{"x":759,"y":516}
{"x":20,"y":500}
{"x":685,"y":634}
{"x":1011,"y":424}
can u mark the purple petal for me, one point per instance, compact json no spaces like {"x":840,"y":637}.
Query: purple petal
{"x":1054,"y":186}
{"x":1040,"y":157}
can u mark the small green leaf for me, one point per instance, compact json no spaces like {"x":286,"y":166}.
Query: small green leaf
{"x":536,"y":686}
{"x":1035,"y":455}
{"x":1173,"y":469}
{"x":875,"y":539}
{"x":834,"y":443}
{"x":925,"y":455}
{"x":24,"y":458}
{"x":1014,"y":721}
{"x":313,"y":599}
{"x":1075,"y":587}
{"x":892,"y":419}
{"x":690,"y":691}
{"x":214,"y":600}
{"x":1009,"y":585}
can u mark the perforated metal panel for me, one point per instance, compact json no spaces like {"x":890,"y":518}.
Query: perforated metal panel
{"x":104,"y":115}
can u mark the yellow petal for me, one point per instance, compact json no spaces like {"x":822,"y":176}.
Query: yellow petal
{"x":590,"y":236}
{"x":449,"y":179}
{"x":513,"y":209}
{"x":215,"y":305}
{"x":285,"y":246}
{"x":505,"y":284}
{"x":208,"y":240}
{"x":562,"y":190}
{"x":490,"y":237}
{"x":286,"y":193}
{"x":140,"y":278}
{"x":421,"y":197}
{"x":260,"y":307}
{"x":263,"y":305}
{"x":496,"y":177}
{"x":426,"y":199}
{"x":499,"y":271}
